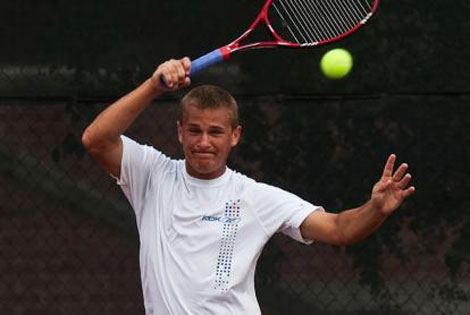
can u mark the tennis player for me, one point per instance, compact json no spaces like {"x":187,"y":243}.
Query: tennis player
{"x":202,"y":225}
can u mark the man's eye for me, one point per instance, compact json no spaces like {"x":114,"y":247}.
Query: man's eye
{"x":194,"y":130}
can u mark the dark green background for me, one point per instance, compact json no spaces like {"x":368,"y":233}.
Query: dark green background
{"x":326,"y":140}
{"x":408,"y":47}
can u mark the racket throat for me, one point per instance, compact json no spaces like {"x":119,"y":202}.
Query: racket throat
{"x":226,"y":51}
{"x":262,"y":36}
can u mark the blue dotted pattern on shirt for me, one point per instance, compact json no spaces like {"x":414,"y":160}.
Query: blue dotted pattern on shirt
{"x":227,"y":244}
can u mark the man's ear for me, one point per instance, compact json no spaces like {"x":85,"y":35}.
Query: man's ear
{"x":180,"y":131}
{"x":236,"y":135}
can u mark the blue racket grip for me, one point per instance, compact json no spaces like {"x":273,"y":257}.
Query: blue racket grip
{"x":206,"y":61}
{"x":201,"y":63}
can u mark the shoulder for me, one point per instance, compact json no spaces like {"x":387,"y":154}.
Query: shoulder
{"x":255,"y":190}
{"x":144,"y":154}
{"x":248,"y":184}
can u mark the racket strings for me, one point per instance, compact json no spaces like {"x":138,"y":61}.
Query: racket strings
{"x":311,"y":21}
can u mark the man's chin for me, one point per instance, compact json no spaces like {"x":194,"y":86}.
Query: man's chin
{"x":206,"y":170}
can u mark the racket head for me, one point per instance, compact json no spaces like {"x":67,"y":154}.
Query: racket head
{"x":307,"y":23}
{"x":297,"y":24}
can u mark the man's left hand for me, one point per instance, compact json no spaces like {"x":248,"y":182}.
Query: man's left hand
{"x":392,"y":189}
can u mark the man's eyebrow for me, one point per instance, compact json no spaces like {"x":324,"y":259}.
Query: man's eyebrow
{"x":217,"y":128}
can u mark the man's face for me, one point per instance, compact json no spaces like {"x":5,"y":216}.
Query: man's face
{"x":207,"y":137}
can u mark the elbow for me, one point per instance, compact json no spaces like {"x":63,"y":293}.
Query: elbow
{"x":87,"y":139}
{"x":90,"y":142}
{"x":96,"y":144}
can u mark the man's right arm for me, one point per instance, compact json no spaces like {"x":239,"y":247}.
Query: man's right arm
{"x":102,"y":138}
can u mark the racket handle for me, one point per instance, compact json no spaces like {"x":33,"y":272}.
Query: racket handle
{"x":206,"y":61}
{"x":202,"y":63}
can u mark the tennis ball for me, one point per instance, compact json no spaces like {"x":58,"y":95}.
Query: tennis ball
{"x":336,"y":63}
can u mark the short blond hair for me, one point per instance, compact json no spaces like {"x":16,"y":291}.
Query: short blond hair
{"x":210,"y":97}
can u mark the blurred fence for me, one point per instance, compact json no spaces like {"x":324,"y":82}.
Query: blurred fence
{"x":68,"y":243}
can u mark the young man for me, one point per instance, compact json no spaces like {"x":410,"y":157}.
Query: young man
{"x":202,"y":226}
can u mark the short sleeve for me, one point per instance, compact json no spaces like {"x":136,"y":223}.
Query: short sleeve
{"x":282,"y":211}
{"x":140,"y":164}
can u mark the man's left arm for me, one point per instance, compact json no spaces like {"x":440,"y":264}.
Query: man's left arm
{"x":351,"y":226}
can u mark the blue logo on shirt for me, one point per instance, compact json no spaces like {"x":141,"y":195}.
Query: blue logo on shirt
{"x":224,"y":219}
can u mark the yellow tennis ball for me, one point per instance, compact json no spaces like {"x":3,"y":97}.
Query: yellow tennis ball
{"x":336,"y":63}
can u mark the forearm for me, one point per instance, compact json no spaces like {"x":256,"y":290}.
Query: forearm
{"x":358,"y":223}
{"x":353,"y":225}
{"x":115,"y":119}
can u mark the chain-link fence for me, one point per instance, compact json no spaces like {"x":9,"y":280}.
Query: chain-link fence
{"x":68,"y":242}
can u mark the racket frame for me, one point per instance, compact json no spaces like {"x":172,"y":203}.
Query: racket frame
{"x":225,"y":52}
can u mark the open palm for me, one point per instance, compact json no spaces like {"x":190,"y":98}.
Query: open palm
{"x":390,"y":191}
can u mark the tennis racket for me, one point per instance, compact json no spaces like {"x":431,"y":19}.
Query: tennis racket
{"x":296,"y":24}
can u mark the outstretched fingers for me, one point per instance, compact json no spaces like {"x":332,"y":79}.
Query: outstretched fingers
{"x":400,"y":172}
{"x":401,"y":179}
{"x":393,"y":188}
{"x":404,"y":181}
{"x":408,"y":192}
{"x":388,"y":169}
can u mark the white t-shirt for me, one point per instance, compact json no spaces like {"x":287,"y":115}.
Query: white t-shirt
{"x":200,"y":239}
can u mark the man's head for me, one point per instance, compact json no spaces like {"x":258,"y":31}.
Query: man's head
{"x":210,"y":97}
{"x":208,"y":129}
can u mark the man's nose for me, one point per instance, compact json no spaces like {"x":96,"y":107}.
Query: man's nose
{"x":204,"y":141}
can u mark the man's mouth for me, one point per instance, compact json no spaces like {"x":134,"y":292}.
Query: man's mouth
{"x":204,"y":154}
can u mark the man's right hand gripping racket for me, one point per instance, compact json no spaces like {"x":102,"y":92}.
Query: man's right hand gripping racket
{"x":297,"y":24}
